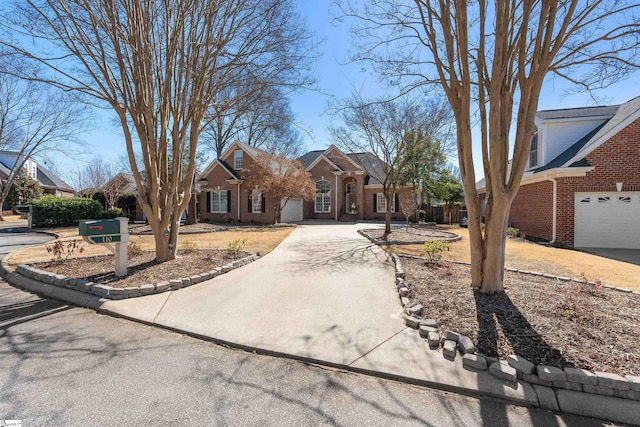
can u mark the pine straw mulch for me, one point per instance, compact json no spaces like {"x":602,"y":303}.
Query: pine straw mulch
{"x":142,"y":268}
{"x":546,"y":321}
{"x":411,"y":234}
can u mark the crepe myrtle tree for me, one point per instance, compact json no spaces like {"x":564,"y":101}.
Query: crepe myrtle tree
{"x":279,"y":179}
{"x":491,"y":58}
{"x":158,"y":65}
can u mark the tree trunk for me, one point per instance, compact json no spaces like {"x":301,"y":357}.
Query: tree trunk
{"x":387,"y":219}
{"x":488,"y":248}
{"x":166,"y":237}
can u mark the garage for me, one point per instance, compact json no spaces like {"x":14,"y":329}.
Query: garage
{"x":292,"y":211}
{"x":607,"y":220}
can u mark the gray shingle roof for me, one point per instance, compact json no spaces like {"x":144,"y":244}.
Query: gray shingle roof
{"x":310,"y":157}
{"x":49,"y":179}
{"x":371,"y":164}
{"x":228,"y":168}
{"x":578,"y":112}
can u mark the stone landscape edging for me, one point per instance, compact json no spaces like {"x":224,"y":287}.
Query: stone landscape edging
{"x":550,"y":383}
{"x":105,"y":291}
{"x":402,"y":242}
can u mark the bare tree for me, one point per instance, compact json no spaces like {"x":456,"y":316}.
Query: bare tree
{"x":491,"y":59}
{"x":409,"y":203}
{"x":159,"y":65}
{"x":380,"y":128}
{"x":257,"y":115}
{"x":92,"y":177}
{"x":34,"y":119}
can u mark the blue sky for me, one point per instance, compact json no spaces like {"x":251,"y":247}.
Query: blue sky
{"x":335,"y":77}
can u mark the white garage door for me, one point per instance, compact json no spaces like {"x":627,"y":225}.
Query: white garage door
{"x":607,"y":220}
{"x":292,"y":211}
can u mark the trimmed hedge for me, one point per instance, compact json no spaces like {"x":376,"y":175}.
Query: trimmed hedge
{"x":50,"y":211}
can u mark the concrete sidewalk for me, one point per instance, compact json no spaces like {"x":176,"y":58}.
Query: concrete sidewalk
{"x":326,"y":295}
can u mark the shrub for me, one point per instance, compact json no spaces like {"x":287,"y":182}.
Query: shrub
{"x":134,"y":249}
{"x":50,"y":211}
{"x":433,"y":249}
{"x":127,"y":202}
{"x":61,"y":251}
{"x":111,"y":213}
{"x":237,"y":245}
{"x":513,"y":232}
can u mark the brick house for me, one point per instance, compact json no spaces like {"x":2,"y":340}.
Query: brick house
{"x":50,"y":182}
{"x":582,"y":184}
{"x":344,"y":191}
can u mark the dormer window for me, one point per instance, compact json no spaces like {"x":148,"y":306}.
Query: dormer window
{"x":237,"y":160}
{"x":533,"y":156}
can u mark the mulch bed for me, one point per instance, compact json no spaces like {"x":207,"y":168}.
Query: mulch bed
{"x":410,"y":234}
{"x":546,"y":321}
{"x":142,"y":269}
{"x":144,"y":229}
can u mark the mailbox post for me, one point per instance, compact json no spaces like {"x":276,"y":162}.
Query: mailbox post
{"x":107,"y":232}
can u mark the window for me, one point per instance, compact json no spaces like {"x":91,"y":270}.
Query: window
{"x":237,"y":160}
{"x":256,"y":201}
{"x":603,"y":199}
{"x":323,"y":197}
{"x":533,"y":156}
{"x":219,"y":201}
{"x":586,"y":200}
{"x":624,"y":199}
{"x":381,"y":202}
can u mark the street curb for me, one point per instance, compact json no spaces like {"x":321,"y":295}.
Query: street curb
{"x":95,"y":303}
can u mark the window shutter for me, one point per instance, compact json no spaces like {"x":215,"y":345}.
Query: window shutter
{"x":228,"y":200}
{"x":208,"y":201}
{"x":396,"y":202}
{"x":375,"y":202}
{"x":264,"y":208}
{"x":249,"y":202}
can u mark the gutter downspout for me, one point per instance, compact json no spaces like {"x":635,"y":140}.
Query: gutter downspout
{"x":555,"y":209}
{"x":239,"y":184}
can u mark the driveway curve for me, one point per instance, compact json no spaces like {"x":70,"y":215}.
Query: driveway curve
{"x":325,"y":293}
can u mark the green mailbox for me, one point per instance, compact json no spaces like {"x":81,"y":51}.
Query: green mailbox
{"x":104,"y":232}
{"x":101,"y":231}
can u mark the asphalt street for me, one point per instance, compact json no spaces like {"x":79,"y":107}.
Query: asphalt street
{"x":67,"y":366}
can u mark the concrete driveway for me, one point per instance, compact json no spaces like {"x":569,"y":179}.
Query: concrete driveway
{"x":325,"y":293}
{"x":625,"y":255}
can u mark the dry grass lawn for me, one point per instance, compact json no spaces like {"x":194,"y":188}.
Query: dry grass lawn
{"x":262,"y":240}
{"x":530,"y":256}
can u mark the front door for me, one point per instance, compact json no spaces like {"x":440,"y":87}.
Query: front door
{"x":351,"y":198}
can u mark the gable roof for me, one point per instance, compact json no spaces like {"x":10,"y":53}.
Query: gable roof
{"x":349,"y":159}
{"x":251,"y":151}
{"x":4,"y":169}
{"x":570,"y":152}
{"x":583,"y":112}
{"x":49,"y":179}
{"x":371,"y":164}
{"x":326,"y":159}
{"x":308,"y":158}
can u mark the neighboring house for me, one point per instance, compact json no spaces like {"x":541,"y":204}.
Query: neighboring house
{"x":343,"y":189}
{"x":50,"y":183}
{"x":123,"y":183}
{"x":582,"y":184}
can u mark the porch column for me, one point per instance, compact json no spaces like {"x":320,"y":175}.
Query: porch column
{"x":360,"y":195}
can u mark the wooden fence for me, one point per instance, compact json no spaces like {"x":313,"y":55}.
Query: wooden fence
{"x":442,"y":214}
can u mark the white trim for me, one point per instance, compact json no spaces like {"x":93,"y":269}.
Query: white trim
{"x":532,"y":178}
{"x":326,"y":159}
{"x":333,"y":147}
{"x":601,"y":138}
{"x":373,"y":186}
{"x":224,"y":154}
{"x":235,"y":160}
{"x":211,"y":193}
{"x":315,"y":196}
